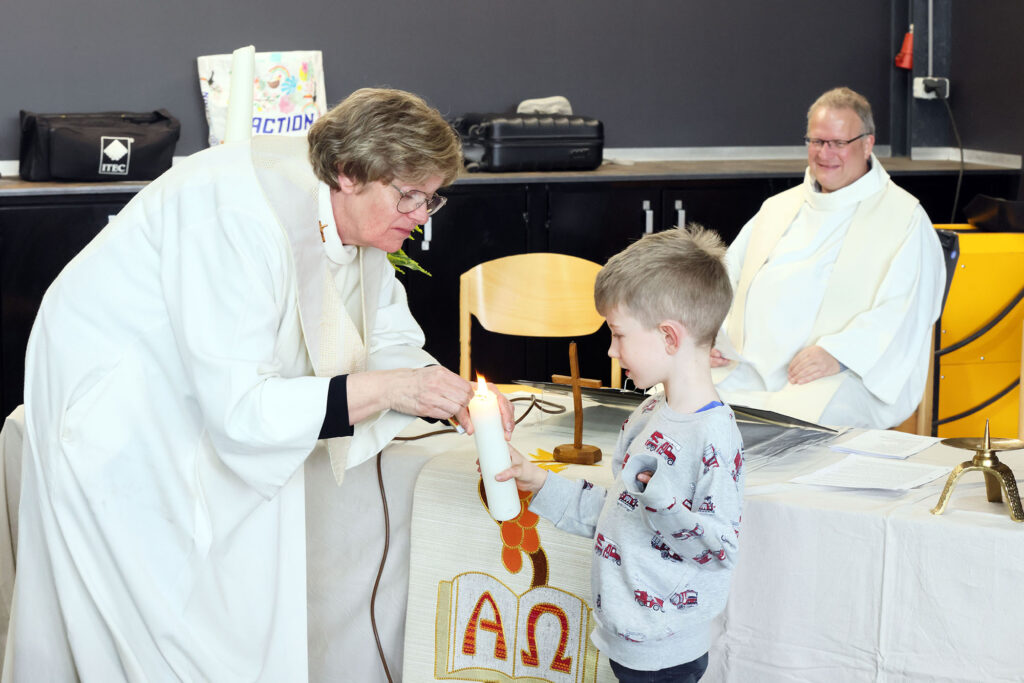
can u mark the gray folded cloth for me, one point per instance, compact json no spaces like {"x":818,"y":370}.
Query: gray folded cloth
{"x":556,"y":104}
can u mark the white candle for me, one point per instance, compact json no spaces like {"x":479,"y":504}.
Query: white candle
{"x":492,"y":452}
{"x":238,"y":125}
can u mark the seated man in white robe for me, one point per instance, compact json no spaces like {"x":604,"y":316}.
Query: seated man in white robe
{"x":837,"y":283}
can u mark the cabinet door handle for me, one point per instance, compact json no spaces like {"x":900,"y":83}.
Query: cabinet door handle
{"x":648,"y":218}
{"x":427,"y":234}
{"x":680,"y":214}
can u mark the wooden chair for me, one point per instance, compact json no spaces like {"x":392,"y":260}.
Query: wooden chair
{"x":531,"y":295}
{"x":921,"y":421}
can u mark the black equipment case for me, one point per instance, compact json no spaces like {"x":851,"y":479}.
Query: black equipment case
{"x":99,"y":146}
{"x":530,"y":142}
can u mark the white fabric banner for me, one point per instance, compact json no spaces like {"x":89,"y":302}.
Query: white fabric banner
{"x":288,"y":92}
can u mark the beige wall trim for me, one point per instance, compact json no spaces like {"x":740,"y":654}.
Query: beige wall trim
{"x":971,"y":156}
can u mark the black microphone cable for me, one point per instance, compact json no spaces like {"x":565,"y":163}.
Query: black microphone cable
{"x":960,"y":145}
{"x":380,"y":570}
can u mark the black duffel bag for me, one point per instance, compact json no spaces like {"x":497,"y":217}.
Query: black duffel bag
{"x":102,"y":146}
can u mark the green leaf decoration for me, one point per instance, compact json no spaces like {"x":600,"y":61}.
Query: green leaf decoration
{"x":400,"y":260}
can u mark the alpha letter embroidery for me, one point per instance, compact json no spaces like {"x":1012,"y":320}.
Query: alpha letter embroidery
{"x":494,"y":626}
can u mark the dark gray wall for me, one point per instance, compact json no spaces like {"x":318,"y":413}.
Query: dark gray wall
{"x":987,"y":74}
{"x":929,"y":119}
{"x":659,"y":73}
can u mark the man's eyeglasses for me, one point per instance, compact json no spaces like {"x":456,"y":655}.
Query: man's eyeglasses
{"x":818,"y":143}
{"x":414,"y":199}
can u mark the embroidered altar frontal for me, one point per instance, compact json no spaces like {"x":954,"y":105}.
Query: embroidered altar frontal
{"x":495,"y":602}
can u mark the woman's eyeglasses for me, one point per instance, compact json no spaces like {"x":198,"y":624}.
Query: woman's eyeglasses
{"x":414,"y":199}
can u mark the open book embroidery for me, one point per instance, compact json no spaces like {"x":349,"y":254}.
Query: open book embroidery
{"x":491,"y":634}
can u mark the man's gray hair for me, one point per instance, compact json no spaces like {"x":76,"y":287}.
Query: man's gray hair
{"x":844,"y":98}
{"x":678,"y":274}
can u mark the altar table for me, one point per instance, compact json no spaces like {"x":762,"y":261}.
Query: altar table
{"x":832,"y":585}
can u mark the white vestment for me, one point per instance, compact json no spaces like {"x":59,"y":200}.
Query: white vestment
{"x":859,"y":272}
{"x":170,"y":405}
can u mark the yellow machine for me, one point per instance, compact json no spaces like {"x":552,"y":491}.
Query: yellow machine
{"x":989,"y":276}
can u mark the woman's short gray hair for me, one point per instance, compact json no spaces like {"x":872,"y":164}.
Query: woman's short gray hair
{"x":379,"y":134}
{"x":844,"y":98}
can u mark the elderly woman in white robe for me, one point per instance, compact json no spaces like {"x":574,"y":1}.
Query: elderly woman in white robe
{"x":236,"y":318}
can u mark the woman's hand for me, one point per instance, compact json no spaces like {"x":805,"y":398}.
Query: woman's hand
{"x":432,"y":391}
{"x":508,"y":419}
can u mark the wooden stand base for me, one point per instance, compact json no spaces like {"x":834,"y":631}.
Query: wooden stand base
{"x":582,"y":455}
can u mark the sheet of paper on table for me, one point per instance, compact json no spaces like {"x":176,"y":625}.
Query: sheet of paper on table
{"x":865,"y":472}
{"x":885,"y":443}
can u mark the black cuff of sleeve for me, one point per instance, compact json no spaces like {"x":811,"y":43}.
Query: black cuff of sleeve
{"x":336,"y":422}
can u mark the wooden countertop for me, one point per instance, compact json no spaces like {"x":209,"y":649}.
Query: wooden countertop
{"x":608,"y":171}
{"x":16,"y":187}
{"x":717,"y":168}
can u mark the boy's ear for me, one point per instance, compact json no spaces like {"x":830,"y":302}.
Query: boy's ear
{"x":673,"y":333}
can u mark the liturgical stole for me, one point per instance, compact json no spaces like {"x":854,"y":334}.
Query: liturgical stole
{"x":879,"y":226}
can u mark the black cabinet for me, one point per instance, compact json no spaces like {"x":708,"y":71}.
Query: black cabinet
{"x":37,"y":239}
{"x":596,"y":221}
{"x":590,"y":215}
{"x":937,"y":192}
{"x":477,"y":224}
{"x":722,"y":205}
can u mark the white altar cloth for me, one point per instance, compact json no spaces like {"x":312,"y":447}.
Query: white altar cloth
{"x":832,"y":585}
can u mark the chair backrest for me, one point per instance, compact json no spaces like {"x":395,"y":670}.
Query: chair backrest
{"x":924,"y":416}
{"x":950,"y":242}
{"x":531,"y":295}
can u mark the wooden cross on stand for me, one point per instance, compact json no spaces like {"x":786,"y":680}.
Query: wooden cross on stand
{"x":577,"y":452}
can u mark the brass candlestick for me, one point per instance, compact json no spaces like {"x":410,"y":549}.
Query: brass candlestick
{"x":998,"y":477}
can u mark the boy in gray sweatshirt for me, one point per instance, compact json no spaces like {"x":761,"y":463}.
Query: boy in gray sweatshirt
{"x":666,"y":533}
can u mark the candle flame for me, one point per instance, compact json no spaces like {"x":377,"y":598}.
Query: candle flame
{"x":481,"y":385}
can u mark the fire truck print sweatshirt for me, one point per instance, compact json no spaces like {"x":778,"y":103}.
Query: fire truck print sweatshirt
{"x":664,"y":552}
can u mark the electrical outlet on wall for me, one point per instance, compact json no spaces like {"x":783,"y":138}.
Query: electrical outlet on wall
{"x":928,"y":88}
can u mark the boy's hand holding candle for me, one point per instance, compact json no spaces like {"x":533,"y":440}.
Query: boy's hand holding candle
{"x":527,"y":475}
{"x":493,"y":453}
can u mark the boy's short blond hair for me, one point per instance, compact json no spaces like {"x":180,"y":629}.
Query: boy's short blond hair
{"x":677,"y":274}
